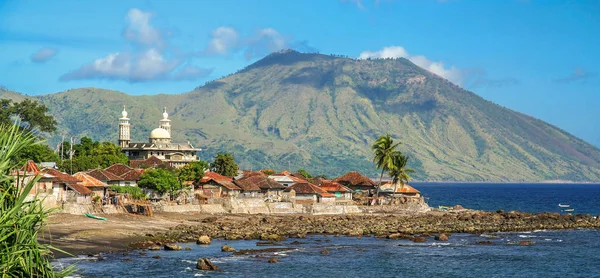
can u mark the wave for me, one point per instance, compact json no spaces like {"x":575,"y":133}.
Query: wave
{"x":526,"y":236}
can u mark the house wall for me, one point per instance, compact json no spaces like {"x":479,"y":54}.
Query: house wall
{"x":125,"y":183}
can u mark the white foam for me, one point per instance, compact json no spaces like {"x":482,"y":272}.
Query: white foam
{"x":526,"y":236}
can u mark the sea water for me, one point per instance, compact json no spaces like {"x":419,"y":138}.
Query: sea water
{"x":571,"y":253}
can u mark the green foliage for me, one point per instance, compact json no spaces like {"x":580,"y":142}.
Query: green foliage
{"x":305,"y":173}
{"x":36,"y":152}
{"x":89,"y":154}
{"x":134,"y":191}
{"x":225,"y":165}
{"x":399,"y":172}
{"x":384,"y":152}
{"x":30,"y":113}
{"x":21,"y":255}
{"x":268,"y":172}
{"x":160,"y":180}
{"x":193,"y":172}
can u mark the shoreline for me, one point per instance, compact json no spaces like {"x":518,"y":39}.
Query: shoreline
{"x":80,"y":235}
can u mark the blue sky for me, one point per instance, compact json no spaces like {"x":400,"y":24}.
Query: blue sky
{"x":538,"y":57}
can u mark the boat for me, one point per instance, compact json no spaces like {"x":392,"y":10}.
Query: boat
{"x":563,"y":205}
{"x":95,"y":217}
{"x":444,"y":208}
{"x":569,"y":210}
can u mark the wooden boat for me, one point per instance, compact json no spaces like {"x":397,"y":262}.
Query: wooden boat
{"x":563,"y":205}
{"x":95,"y":217}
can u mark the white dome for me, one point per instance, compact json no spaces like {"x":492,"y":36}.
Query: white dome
{"x":159,"y":133}
{"x":124,"y":113}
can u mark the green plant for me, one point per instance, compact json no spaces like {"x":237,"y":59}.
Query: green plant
{"x":225,"y":164}
{"x":384,"y":150}
{"x":161,"y":180}
{"x":21,"y":255}
{"x":134,"y":191}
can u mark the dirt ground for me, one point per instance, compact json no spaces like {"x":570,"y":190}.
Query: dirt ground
{"x":78,"y":234}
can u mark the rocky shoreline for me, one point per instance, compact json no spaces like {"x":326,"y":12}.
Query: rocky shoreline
{"x":276,"y":228}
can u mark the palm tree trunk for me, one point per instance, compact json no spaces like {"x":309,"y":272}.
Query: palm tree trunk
{"x":380,"y":180}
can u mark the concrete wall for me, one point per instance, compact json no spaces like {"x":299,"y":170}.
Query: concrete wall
{"x":333,"y":209}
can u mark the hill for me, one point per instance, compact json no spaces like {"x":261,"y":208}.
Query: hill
{"x":322,"y":113}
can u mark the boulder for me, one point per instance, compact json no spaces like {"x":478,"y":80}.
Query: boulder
{"x":324,"y":252}
{"x":399,"y":236}
{"x":156,"y":257}
{"x":441,"y":237}
{"x":172,"y":247}
{"x":205,"y":264}
{"x":487,"y":242}
{"x":154,"y":248}
{"x":273,"y":260}
{"x":458,"y":207}
{"x":227,"y":248}
{"x":526,"y":242}
{"x":204,"y":240}
{"x":188,"y":249}
{"x":419,"y":239}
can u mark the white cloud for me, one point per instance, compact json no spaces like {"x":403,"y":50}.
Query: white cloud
{"x":131,"y":67}
{"x":190,"y":72}
{"x":43,"y":55}
{"x":266,"y":41}
{"x":224,"y":40}
{"x":139,"y":30}
{"x":452,"y":73}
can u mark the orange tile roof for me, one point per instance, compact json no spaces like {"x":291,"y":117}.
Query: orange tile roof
{"x":118,"y":169}
{"x":152,"y":161}
{"x":331,"y":186}
{"x":89,"y":181}
{"x":60,"y":177}
{"x":400,"y":189}
{"x":355,"y":179}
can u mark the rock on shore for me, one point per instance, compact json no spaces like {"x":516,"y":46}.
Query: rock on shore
{"x":275,"y":228}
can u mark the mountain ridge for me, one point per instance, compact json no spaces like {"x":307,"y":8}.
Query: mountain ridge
{"x":322,"y":112}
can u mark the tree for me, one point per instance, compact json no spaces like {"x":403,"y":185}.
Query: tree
{"x":193,"y":172}
{"x":225,"y":165}
{"x":399,"y":172}
{"x":160,"y":180}
{"x":21,"y":221}
{"x":31,"y":114}
{"x":305,"y":174}
{"x":37,"y":153}
{"x":90,"y":154}
{"x":384,"y":150}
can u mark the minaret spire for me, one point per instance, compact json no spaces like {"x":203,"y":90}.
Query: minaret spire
{"x":124,"y":137}
{"x":165,"y":123}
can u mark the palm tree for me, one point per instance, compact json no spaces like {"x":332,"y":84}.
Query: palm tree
{"x":384,"y":150}
{"x":399,"y":172}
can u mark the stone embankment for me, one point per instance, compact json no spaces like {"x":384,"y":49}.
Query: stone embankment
{"x":390,"y":226}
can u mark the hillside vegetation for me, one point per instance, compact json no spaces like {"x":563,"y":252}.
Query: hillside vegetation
{"x":322,"y":113}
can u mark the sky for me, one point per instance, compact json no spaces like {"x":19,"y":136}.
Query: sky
{"x":541,"y":58}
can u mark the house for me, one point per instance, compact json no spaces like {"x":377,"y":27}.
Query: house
{"x":97,"y":187}
{"x":106,"y":177}
{"x":356,"y":182}
{"x":341,"y":193}
{"x":266,"y":186}
{"x":68,"y":189}
{"x":401,"y":191}
{"x":27,"y":173}
{"x":216,"y":186}
{"x":286,"y":178}
{"x":129,"y":175}
{"x":308,"y":193}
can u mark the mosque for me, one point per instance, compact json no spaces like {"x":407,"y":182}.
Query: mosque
{"x":159,"y":144}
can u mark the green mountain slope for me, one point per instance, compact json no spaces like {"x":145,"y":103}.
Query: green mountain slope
{"x":321,"y":113}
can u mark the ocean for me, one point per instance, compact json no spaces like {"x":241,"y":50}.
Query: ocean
{"x":571,"y":253}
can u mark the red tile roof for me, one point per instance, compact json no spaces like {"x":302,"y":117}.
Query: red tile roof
{"x":60,"y":177}
{"x":125,"y":172}
{"x":226,"y":182}
{"x":355,"y":179}
{"x":260,"y":181}
{"x":31,"y":167}
{"x":79,"y":188}
{"x":119,"y":169}
{"x":103,"y":175}
{"x":331,"y":186}
{"x":89,"y":181}
{"x":307,"y":188}
{"x":153,"y":161}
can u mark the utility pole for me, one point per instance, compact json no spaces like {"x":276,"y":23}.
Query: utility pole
{"x":62,"y":149}
{"x":71,"y":152}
